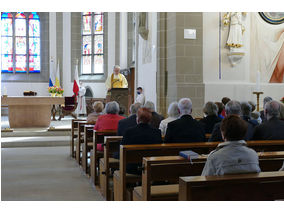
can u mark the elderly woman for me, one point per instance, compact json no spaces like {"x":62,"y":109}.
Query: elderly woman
{"x":143,"y":133}
{"x":233,"y":156}
{"x":211,"y":111}
{"x":98,"y":109}
{"x":173,"y":113}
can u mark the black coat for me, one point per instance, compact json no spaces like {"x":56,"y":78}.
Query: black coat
{"x":140,"y":134}
{"x":156,"y":120}
{"x":217,"y":136}
{"x":273,"y":129}
{"x":209,"y":122}
{"x":125,"y":124}
{"x":183,"y":130}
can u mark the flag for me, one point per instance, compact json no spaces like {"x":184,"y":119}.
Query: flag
{"x":76,"y":81}
{"x":52,"y":75}
{"x":57,"y":78}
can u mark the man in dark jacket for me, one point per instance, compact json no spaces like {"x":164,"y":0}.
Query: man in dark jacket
{"x":156,"y":118}
{"x":185,"y":129}
{"x":231,"y":108}
{"x":126,"y":123}
{"x":273,"y":127}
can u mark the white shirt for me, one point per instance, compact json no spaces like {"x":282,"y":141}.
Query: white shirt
{"x":164,"y":124}
{"x":140,"y":99}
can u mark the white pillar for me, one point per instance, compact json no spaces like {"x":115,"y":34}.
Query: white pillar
{"x":123,"y":40}
{"x":111,"y":41}
{"x":52,"y":41}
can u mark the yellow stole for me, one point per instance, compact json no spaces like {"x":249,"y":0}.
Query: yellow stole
{"x":116,"y":83}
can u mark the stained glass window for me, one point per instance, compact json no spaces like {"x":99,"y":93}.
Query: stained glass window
{"x":20,"y":41}
{"x":92,"y":43}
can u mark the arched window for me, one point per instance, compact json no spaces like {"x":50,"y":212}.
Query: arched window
{"x":92,"y":43}
{"x":20,"y":37}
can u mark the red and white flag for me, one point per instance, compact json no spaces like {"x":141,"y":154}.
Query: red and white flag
{"x":76,"y":81}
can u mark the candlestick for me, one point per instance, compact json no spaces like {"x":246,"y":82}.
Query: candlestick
{"x":257,"y":99}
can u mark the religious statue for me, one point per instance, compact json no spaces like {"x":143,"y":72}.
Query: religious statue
{"x":235,"y":37}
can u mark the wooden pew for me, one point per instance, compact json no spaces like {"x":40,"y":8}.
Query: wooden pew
{"x":135,"y":153}
{"x":111,"y":146}
{"x":98,"y":138}
{"x":80,"y":140}
{"x":266,"y":186}
{"x":87,"y":146}
{"x":74,"y":134}
{"x":157,"y":169}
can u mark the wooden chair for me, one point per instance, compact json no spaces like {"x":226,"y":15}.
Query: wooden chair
{"x":98,"y":138}
{"x":69,"y":107}
{"x":266,"y":186}
{"x":74,"y":135}
{"x":170,"y":168}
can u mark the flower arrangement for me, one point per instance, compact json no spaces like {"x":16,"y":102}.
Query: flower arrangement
{"x":55,"y":91}
{"x":282,"y":100}
{"x":52,"y":89}
{"x":59,"y":90}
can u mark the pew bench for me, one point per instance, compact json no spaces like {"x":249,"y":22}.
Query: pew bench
{"x":157,"y":169}
{"x":264,"y":186}
{"x":87,"y":146}
{"x":74,"y":135}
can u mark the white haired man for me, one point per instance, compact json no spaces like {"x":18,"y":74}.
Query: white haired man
{"x":116,"y":79}
{"x":185,"y":129}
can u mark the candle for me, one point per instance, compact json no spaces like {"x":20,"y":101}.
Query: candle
{"x":4,"y":91}
{"x":258,"y":81}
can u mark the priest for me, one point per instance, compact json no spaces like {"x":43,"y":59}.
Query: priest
{"x":116,"y":79}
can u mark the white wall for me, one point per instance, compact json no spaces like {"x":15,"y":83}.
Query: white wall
{"x":146,"y":73}
{"x":235,"y":81}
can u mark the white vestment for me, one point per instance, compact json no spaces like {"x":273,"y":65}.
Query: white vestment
{"x":140,"y":99}
{"x":81,"y":108}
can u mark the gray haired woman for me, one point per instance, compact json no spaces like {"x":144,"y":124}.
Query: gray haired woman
{"x":173,"y":113}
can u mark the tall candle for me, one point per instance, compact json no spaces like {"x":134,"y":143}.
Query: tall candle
{"x":258,"y":81}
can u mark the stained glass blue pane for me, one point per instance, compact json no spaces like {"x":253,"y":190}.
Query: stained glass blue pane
{"x":99,"y":44}
{"x":7,"y":63}
{"x":87,"y":25}
{"x":86,"y":65}
{"x":98,"y":24}
{"x":6,"y":15}
{"x":34,"y":64}
{"x":6,"y":27}
{"x":20,"y":27}
{"x":99,"y":64}
{"x":7,"y":45}
{"x":21,"y":45}
{"x":87,"y":45}
{"x":34,"y":15}
{"x":34,"y":29}
{"x":34,"y":46}
{"x":21,"y":63}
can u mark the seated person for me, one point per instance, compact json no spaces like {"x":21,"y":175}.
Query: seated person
{"x":221,"y":107}
{"x":225,"y":100}
{"x":232,"y":108}
{"x":98,"y":109}
{"x":232,"y":156}
{"x":126,"y":123}
{"x":255,"y":115}
{"x":265,"y":100}
{"x":185,"y":129}
{"x":156,"y":118}
{"x":143,"y":133}
{"x":210,"y":109}
{"x":109,"y":121}
{"x":122,"y":111}
{"x":246,"y":113}
{"x":273,"y":127}
{"x":173,"y":113}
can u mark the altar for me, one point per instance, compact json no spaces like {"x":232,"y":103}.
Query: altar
{"x":33,"y":111}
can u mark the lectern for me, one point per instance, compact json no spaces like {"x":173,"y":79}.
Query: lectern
{"x":121,"y":96}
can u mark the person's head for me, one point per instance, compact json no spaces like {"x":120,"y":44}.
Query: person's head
{"x":134,"y":108}
{"x":116,"y":69}
{"x":139,"y":90}
{"x":185,"y":106}
{"x":265,"y":100}
{"x":210,"y":109}
{"x":225,"y":100}
{"x":233,"y":128}
{"x":253,"y":106}
{"x":150,"y":105}
{"x":112,"y":107}
{"x":246,"y":108}
{"x":98,"y":106}
{"x":233,"y":108}
{"x":272,"y":109}
{"x":121,"y":110}
{"x":220,"y":107}
{"x":173,"y":110}
{"x":144,"y":115}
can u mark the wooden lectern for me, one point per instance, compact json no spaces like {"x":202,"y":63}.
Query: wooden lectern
{"x":121,"y":96}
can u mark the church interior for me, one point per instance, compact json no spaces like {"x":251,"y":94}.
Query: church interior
{"x":142,"y":106}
